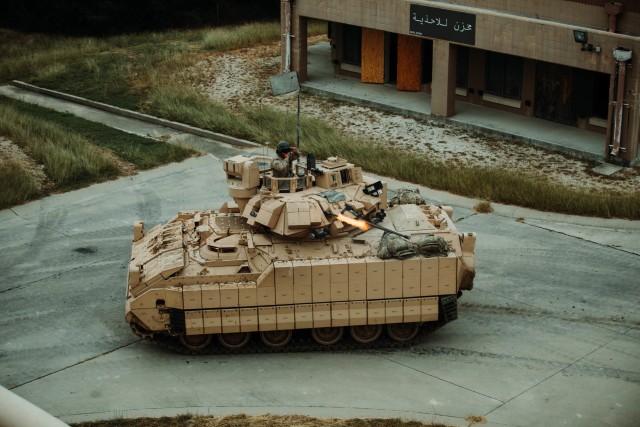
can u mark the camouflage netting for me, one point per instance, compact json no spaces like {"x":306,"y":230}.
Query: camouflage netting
{"x":407,"y":196}
{"x":394,"y":246}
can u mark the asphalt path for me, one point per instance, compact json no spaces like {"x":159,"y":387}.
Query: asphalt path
{"x":550,"y":335}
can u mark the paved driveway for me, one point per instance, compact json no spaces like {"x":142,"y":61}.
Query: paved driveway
{"x":549,"y":336}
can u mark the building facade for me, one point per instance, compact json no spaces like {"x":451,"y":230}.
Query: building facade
{"x":573,"y":62}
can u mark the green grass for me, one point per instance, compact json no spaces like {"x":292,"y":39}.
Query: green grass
{"x":185,"y":105}
{"x":16,"y":185}
{"x":144,"y":153}
{"x":228,"y":38}
{"x":67,"y":156}
{"x":75,"y":152}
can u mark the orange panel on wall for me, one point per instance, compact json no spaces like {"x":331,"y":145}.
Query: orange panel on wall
{"x":372,"y":56}
{"x":409,"y":60}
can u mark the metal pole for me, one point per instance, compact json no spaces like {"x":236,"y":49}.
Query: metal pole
{"x":298,"y":129}
{"x":617,"y":130}
{"x":287,"y":35}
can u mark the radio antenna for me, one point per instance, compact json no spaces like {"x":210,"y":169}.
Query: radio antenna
{"x":298,"y":129}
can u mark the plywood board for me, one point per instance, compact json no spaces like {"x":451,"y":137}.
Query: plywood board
{"x":372,"y":56}
{"x":409,"y":63}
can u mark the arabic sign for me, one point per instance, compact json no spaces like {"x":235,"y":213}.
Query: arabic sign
{"x":443,"y":24}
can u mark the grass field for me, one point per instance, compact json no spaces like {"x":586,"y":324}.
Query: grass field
{"x":74,"y":152}
{"x":147,"y":72}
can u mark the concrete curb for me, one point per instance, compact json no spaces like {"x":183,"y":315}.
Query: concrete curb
{"x":451,"y":121}
{"x":138,"y":116}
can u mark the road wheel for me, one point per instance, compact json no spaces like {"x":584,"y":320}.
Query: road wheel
{"x":327,"y":336}
{"x":234,"y":341}
{"x":402,"y":332}
{"x":365,"y":334}
{"x":196,"y":343}
{"x":276,"y":339}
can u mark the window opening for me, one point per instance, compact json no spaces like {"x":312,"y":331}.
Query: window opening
{"x":504,"y":75}
{"x":352,"y":45}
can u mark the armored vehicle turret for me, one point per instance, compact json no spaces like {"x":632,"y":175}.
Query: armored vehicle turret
{"x":319,"y":250}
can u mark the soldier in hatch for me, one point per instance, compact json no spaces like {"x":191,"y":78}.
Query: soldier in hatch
{"x":281,"y":165}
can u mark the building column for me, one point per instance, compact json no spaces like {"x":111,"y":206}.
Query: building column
{"x":443,"y":86}
{"x":293,"y":45}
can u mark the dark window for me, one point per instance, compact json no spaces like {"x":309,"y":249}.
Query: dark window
{"x":601,"y":95}
{"x":589,"y":93}
{"x":391,"y":57}
{"x":427,"y":61}
{"x":351,"y":45}
{"x":462,"y":66}
{"x":504,"y":75}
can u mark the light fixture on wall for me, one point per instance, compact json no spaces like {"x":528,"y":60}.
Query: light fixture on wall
{"x":582,"y":37}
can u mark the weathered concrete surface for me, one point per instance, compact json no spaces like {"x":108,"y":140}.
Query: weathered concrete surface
{"x":549,"y":336}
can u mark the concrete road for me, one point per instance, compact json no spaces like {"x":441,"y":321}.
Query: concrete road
{"x":549,"y":336}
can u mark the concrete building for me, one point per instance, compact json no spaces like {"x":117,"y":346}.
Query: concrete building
{"x":573,"y":62}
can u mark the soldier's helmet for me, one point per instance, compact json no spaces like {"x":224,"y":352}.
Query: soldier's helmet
{"x":282,"y":148}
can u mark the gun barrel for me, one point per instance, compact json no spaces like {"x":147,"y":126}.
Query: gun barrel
{"x":388,"y":230}
{"x":369,"y":223}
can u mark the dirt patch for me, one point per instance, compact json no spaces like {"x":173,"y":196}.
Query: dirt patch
{"x":256,"y":421}
{"x":241,"y":77}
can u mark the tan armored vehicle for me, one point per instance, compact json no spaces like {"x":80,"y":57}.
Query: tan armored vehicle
{"x":319,"y":250}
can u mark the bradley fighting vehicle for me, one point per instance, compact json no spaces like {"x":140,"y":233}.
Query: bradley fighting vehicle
{"x":320,"y":250}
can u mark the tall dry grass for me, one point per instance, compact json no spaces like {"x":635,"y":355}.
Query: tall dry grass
{"x":16,"y":184}
{"x":67,"y":157}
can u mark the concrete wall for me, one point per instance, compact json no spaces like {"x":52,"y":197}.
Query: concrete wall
{"x":567,"y":11}
{"x":535,"y":30}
